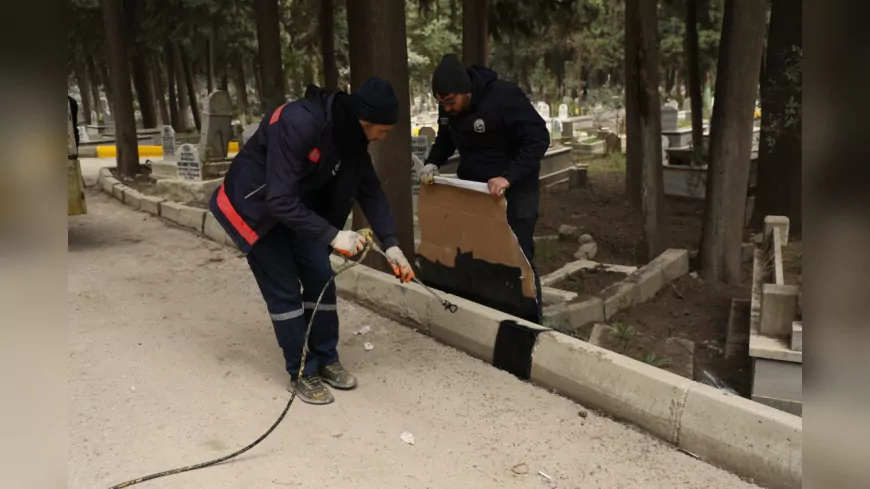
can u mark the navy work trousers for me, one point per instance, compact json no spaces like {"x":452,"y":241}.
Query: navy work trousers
{"x":291,"y":270}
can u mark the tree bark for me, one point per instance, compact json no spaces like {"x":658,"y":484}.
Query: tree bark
{"x":107,"y":84}
{"x":94,"y":79}
{"x":693,"y":69}
{"x":258,"y":81}
{"x":779,"y":186}
{"x":125,"y":123}
{"x":209,"y":61}
{"x":169,"y":62}
{"x":191,"y":87}
{"x":475,"y":32}
{"x":160,"y":92}
{"x":269,"y":43}
{"x":378,"y":46}
{"x":84,"y":84}
{"x":224,"y":83}
{"x":731,"y":140}
{"x":241,"y":89}
{"x":644,"y":182}
{"x":327,"y":45}
{"x":144,"y":88}
{"x":184,"y":108}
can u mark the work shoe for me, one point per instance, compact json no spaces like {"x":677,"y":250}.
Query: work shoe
{"x":310,"y":389}
{"x":336,"y":376}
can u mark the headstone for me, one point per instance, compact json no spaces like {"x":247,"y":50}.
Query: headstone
{"x":545,"y":112}
{"x":687,"y":104}
{"x":563,"y":111}
{"x":420,"y":146}
{"x":94,"y":119}
{"x":83,"y":134}
{"x":203,"y":100}
{"x":613,"y":143}
{"x":669,"y":118}
{"x":217,"y":130}
{"x":429,"y":133}
{"x":167,"y":140}
{"x":673,"y":103}
{"x":189,"y":163}
{"x":247,"y":134}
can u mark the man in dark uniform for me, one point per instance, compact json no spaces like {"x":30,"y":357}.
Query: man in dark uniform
{"x":500,"y":138}
{"x":284,"y":201}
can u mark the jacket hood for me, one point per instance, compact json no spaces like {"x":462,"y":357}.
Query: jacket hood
{"x":481,"y":77}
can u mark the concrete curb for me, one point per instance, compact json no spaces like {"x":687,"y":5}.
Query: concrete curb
{"x":745,"y":437}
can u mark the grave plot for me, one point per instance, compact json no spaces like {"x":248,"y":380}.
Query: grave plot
{"x":675,"y":321}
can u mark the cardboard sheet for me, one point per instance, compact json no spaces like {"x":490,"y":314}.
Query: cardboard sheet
{"x":459,"y":220}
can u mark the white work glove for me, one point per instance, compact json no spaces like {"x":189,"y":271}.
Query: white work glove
{"x":401,"y":268}
{"x":428,"y":174}
{"x":348,"y":243}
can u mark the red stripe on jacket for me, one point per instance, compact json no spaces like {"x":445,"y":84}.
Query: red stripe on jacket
{"x":235,"y":219}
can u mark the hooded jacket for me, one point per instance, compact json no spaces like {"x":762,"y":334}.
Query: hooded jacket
{"x":499,"y":135}
{"x":291,"y":172}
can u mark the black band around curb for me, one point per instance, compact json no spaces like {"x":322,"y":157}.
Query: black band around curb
{"x":513,"y":348}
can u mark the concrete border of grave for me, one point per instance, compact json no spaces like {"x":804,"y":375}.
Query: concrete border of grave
{"x":750,"y":439}
{"x":774,"y":329}
{"x":639,"y":285}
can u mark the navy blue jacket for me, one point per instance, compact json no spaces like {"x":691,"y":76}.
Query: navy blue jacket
{"x":500,"y":135}
{"x":289,"y":172}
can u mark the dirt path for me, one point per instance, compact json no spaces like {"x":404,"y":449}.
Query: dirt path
{"x":172,"y":361}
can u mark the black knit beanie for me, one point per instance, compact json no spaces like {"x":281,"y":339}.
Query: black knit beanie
{"x":376,"y":102}
{"x":450,"y":76}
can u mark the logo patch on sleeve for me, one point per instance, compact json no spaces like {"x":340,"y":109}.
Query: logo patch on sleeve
{"x":314,"y":155}
{"x":276,"y":115}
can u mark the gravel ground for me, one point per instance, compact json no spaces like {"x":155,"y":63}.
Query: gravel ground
{"x":173,"y":361}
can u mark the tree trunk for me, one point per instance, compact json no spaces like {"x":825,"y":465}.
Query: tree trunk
{"x":644,"y":182}
{"x":731,"y":140}
{"x":184,"y":108}
{"x":779,"y":186}
{"x":125,"y":123}
{"x":327,"y":45}
{"x":144,"y":88}
{"x":84,"y":84}
{"x":258,"y":80}
{"x":241,"y":89}
{"x":693,"y":68}
{"x":192,"y":93}
{"x":475,"y":32}
{"x":224,"y":83}
{"x":209,"y":62}
{"x":378,"y":46}
{"x":94,"y":78}
{"x":269,"y":43}
{"x":160,"y":92}
{"x":107,"y":84}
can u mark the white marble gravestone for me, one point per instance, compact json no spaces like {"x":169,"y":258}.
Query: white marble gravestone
{"x":189,"y":163}
{"x":217,"y":130}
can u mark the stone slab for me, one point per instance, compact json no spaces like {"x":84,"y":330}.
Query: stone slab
{"x":778,"y":271}
{"x":779,"y":305}
{"x":568,"y":269}
{"x":552,"y":295}
{"x":797,"y":336}
{"x":213,"y":230}
{"x":569,"y":317}
{"x":617,"y":297}
{"x":674,"y":263}
{"x":151,"y":204}
{"x":192,"y":217}
{"x":761,"y":346}
{"x":171,"y":210}
{"x":109,"y":183}
{"x":187,"y":190}
{"x":790,"y":407}
{"x":118,"y":191}
{"x":743,"y":436}
{"x":132,"y":198}
{"x":649,"y":279}
{"x":777,"y":379}
{"x":625,"y":388}
{"x":776,"y":222}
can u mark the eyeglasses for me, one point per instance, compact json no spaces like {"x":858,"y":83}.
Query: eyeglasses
{"x":447,"y":101}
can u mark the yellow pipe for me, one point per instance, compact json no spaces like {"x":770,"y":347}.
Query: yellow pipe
{"x":146,"y":151}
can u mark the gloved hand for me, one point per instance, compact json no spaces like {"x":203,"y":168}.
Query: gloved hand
{"x":428,"y":174}
{"x":401,"y":268}
{"x":348,"y":243}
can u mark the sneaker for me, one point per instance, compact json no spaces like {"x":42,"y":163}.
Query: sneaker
{"x":310,"y":389}
{"x":336,"y":376}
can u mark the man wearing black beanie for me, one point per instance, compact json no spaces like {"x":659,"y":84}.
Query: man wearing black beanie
{"x":284,"y":202}
{"x":500,"y":137}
